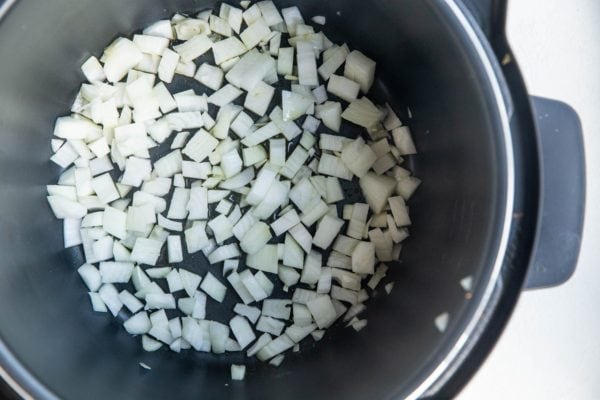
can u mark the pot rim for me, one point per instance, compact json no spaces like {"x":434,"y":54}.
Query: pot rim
{"x":495,"y":78}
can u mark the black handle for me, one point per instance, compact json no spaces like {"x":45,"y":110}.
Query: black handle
{"x":563,"y":194}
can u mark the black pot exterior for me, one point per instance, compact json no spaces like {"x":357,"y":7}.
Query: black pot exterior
{"x":477,"y":163}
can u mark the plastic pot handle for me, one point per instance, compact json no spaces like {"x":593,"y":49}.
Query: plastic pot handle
{"x":563,"y":194}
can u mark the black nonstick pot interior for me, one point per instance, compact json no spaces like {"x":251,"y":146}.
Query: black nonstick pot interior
{"x":425,"y":61}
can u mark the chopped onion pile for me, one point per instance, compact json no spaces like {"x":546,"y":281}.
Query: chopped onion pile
{"x":250,"y":168}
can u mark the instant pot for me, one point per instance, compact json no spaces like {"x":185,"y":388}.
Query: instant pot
{"x":501,"y":200}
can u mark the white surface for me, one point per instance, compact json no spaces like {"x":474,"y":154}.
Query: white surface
{"x":551,"y":346}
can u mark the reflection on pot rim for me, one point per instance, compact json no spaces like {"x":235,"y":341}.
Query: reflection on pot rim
{"x":490,"y":65}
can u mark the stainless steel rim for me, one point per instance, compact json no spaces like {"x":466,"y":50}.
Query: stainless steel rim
{"x":490,"y":65}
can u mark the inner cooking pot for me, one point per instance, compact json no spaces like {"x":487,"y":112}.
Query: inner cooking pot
{"x":54,"y":345}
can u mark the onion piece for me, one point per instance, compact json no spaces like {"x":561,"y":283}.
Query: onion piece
{"x":138,"y":324}
{"x":277,"y":360}
{"x":241,"y":125}
{"x":302,"y":237}
{"x":259,"y":98}
{"x":377,"y":189}
{"x":264,"y":260}
{"x":441,"y":321}
{"x":230,"y":266}
{"x":238,"y":372}
{"x":294,"y":105}
{"x":237,"y":285}
{"x":219,"y":334}
{"x":261,"y":186}
{"x":242,"y":331}
{"x":343,"y":88}
{"x":363,"y":258}
{"x":116,"y":272}
{"x":238,"y":181}
{"x":65,"y":208}
{"x":252,"y":285}
{"x":196,"y":238}
{"x":252,"y":68}
{"x":159,"y":272}
{"x":97,"y":303}
{"x":285,"y":61}
{"x":71,"y":234}
{"x":293,"y":253}
{"x":301,"y":315}
{"x":165,"y":100}
{"x":288,"y":275}
{"x":299,"y":332}
{"x":275,"y":197}
{"x":289,"y":129}
{"x":332,"y":142}
{"x":303,"y":296}
{"x":92,"y":69}
{"x":274,"y":44}
{"x":109,"y":295}
{"x":104,"y":187}
{"x":225,"y":95}
{"x":123,"y":56}
{"x":232,"y":15}
{"x":90,"y":276}
{"x":195,"y":170}
{"x":186,"y":68}
{"x":252,"y":313}
{"x":294,"y":162}
{"x":255,"y":32}
{"x":275,"y":347}
{"x":168,"y":65}
{"x":149,"y":344}
{"x":213,"y":287}
{"x":200,"y":146}
{"x":311,"y":271}
{"x":307,"y":65}
{"x":345,"y":295}
{"x":194,"y":47}
{"x":277,"y":308}
{"x":466,"y":283}
{"x":270,"y":325}
{"x":363,"y":112}
{"x":285,"y":222}
{"x":361,"y":69}
{"x":160,"y":28}
{"x":334,"y":166}
{"x":225,"y":117}
{"x":195,"y":334}
{"x":358,"y":157}
{"x":264,"y":282}
{"x":160,"y":301}
{"x":313,"y":215}
{"x":262,"y":134}
{"x":224,"y":253}
{"x":407,"y":186}
{"x":384,"y":163}
{"x":187,"y":28}
{"x":210,"y":76}
{"x":269,"y":12}
{"x":174,"y":281}
{"x":188,"y":101}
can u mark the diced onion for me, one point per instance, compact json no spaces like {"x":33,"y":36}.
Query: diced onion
{"x":244,"y":180}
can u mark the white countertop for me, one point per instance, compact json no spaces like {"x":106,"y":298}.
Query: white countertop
{"x":551,"y":346}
